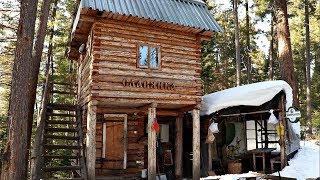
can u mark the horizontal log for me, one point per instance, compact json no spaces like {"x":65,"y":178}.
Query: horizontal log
{"x":188,"y":84}
{"x":128,"y":45}
{"x":144,"y":29}
{"x":118,"y":39}
{"x":141,"y":39}
{"x":160,"y":112}
{"x":122,"y":101}
{"x":164,"y":52}
{"x":142,"y":95}
{"x":103,"y":86}
{"x":139,"y":73}
{"x":132,"y":67}
{"x":124,"y":44}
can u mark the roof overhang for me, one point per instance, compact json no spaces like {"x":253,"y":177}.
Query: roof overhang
{"x":188,"y":16}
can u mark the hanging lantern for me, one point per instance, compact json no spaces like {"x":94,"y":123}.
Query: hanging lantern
{"x":156,"y":126}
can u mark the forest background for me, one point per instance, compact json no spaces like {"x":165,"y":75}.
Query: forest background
{"x":258,"y":59}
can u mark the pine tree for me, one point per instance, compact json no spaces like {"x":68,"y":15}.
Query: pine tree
{"x":15,"y":155}
{"x":284,"y":48}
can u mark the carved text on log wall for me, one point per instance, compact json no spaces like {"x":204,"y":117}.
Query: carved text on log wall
{"x":148,"y":84}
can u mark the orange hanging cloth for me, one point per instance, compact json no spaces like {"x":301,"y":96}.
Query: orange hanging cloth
{"x":156,"y":126}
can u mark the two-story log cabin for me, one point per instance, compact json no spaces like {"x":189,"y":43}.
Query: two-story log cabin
{"x":138,"y":67}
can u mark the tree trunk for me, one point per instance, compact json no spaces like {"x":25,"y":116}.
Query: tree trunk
{"x":36,"y":59}
{"x":271,"y":50}
{"x":15,"y":156}
{"x":248,"y":44}
{"x":236,"y":24}
{"x":308,"y":77}
{"x":284,"y":48}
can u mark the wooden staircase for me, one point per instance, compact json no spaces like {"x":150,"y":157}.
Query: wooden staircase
{"x":62,"y":155}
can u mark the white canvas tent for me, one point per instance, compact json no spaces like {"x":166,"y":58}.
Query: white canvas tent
{"x":254,"y":94}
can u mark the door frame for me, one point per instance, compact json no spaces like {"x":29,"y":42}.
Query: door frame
{"x":125,"y":128}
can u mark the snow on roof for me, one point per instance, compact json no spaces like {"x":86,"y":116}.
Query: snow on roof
{"x":254,"y":94}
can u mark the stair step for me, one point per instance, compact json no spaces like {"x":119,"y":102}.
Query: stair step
{"x":62,"y":137}
{"x":50,"y":146}
{"x":55,"y":106}
{"x":61,"y":129}
{"x":61,"y":157}
{"x":64,"y":92}
{"x":61,"y":168}
{"x":64,"y":115}
{"x":60,"y":83}
{"x":60,"y":122}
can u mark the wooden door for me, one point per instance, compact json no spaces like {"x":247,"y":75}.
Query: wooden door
{"x":115,"y":141}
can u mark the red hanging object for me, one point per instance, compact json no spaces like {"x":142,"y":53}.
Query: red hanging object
{"x":156,"y":126}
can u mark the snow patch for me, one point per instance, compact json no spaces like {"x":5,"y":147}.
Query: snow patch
{"x":305,"y":164}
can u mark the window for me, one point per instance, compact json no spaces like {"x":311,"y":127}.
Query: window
{"x":148,"y":57}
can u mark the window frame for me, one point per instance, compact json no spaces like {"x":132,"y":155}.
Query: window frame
{"x":149,"y":57}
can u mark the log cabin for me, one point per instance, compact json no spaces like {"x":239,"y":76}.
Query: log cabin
{"x":138,"y":75}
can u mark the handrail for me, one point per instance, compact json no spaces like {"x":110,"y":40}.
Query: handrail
{"x":37,"y":150}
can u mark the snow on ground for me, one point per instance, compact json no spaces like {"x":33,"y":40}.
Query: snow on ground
{"x":305,"y":164}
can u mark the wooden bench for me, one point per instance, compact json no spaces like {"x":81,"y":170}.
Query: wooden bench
{"x":273,"y":161}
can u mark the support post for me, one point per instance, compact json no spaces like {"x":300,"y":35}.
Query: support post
{"x":196,"y":144}
{"x":283,"y":155}
{"x":152,"y":154}
{"x":209,"y":157}
{"x":282,"y":121}
{"x":179,"y":147}
{"x":91,"y":139}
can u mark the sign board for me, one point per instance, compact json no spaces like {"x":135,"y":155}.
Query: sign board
{"x":148,"y":84}
{"x":293,"y":114}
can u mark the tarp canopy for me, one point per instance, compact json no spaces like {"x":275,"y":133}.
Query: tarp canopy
{"x":254,"y":94}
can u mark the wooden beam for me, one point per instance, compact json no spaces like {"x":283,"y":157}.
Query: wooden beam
{"x":179,"y":147}
{"x":190,"y":108}
{"x":87,"y":18}
{"x":91,"y":139}
{"x":152,"y":156}
{"x":246,"y":113}
{"x":151,"y":105}
{"x":196,"y":144}
{"x":209,"y":157}
{"x":120,"y":110}
{"x":282,"y":122}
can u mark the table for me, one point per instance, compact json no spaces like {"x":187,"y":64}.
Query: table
{"x":260,"y":152}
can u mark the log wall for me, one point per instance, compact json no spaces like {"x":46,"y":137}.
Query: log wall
{"x":84,"y":78}
{"x":115,"y":74}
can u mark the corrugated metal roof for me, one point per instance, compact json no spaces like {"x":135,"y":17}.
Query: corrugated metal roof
{"x":191,"y":13}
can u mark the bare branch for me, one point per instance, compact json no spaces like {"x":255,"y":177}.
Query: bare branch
{"x":9,"y":10}
{"x":8,"y":40}
{"x":8,"y":27}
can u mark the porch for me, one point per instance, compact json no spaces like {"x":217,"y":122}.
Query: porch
{"x":134,"y":141}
